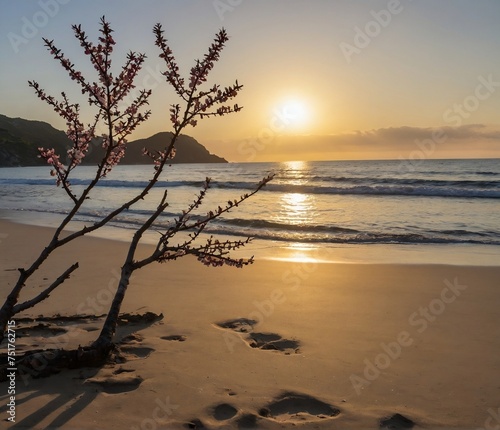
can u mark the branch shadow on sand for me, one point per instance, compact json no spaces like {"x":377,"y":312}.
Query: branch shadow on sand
{"x":70,"y":391}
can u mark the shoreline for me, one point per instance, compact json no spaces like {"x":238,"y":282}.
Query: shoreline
{"x":366,"y":341}
{"x":296,"y":252}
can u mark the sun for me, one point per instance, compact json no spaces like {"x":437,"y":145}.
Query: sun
{"x":293,"y":114}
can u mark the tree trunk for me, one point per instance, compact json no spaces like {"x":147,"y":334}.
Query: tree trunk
{"x":43,"y":363}
{"x":105,"y":339}
{"x":6,"y":312}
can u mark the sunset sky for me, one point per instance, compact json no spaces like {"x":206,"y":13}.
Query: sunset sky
{"x":324,"y":79}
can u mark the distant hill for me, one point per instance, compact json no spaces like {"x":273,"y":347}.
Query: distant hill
{"x":21,"y":138}
{"x":188,"y":150}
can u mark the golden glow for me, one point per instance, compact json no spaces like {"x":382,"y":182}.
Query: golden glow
{"x":300,"y":253}
{"x":300,"y":257}
{"x":294,"y":115}
{"x":295,"y":165}
{"x":294,"y":173}
{"x":296,"y":208}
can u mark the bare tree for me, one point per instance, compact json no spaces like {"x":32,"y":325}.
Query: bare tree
{"x":197,"y":102}
{"x":105,"y":95}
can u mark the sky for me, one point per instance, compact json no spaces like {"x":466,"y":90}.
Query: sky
{"x":323,"y":79}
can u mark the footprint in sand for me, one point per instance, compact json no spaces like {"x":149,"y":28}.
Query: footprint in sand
{"x":117,"y":383}
{"x":123,"y":379}
{"x":296,"y":407}
{"x":265,"y":341}
{"x":396,"y":422}
{"x":242,"y":325}
{"x":247,"y":421}
{"x":175,"y":337}
{"x":195,"y":424}
{"x":130,"y":348}
{"x":133,"y":338}
{"x":224,"y":412}
{"x":136,"y":352}
{"x":273,"y":342}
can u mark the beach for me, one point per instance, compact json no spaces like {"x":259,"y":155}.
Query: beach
{"x":279,"y":344}
{"x":327,"y":258}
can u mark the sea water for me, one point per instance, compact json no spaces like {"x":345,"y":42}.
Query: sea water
{"x":437,"y":211}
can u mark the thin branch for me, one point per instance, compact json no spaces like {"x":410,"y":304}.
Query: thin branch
{"x":161,"y":250}
{"x":230,"y":205}
{"x":45,"y":293}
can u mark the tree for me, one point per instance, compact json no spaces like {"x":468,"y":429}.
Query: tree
{"x":197,"y":102}
{"x":104,"y":95}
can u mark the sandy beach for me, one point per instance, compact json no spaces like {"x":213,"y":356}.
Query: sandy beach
{"x":352,"y":147}
{"x":275,"y":345}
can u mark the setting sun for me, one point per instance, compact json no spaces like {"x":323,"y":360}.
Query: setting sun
{"x":294,"y":114}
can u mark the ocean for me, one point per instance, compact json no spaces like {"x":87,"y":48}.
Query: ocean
{"x":430,"y":211}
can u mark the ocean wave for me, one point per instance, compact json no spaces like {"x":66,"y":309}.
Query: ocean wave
{"x":380,"y":190}
{"x":107,"y":183}
{"x":487,"y":173}
{"x":469,"y":182}
{"x":313,"y":233}
{"x":404,"y":181}
{"x":264,"y":224}
{"x":414,"y":188}
{"x":305,"y":233}
{"x":357,"y":238}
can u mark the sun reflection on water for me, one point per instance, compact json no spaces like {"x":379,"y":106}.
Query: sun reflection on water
{"x":300,"y":253}
{"x":296,"y":208}
{"x":295,"y":172}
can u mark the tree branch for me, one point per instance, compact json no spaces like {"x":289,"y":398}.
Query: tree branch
{"x":45,"y":293}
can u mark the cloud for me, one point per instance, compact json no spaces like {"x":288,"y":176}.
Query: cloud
{"x":467,"y":141}
{"x":405,"y":133}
